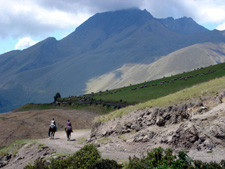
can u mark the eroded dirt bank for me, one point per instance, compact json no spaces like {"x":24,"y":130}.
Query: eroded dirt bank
{"x":197,"y":126}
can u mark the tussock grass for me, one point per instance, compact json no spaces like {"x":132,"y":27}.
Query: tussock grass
{"x":3,"y":118}
{"x":32,"y":106}
{"x":45,"y":106}
{"x":209,"y":88}
{"x":103,"y":140}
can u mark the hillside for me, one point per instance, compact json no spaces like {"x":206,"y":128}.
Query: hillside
{"x":105,"y":42}
{"x":182,"y":60}
{"x":108,"y":100}
{"x":189,"y":120}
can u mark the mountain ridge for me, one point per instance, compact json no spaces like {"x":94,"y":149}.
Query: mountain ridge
{"x":92,"y":50}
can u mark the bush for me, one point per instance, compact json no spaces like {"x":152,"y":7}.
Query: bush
{"x":135,"y":163}
{"x":38,"y":164}
{"x":85,"y":157}
{"x":82,"y":159}
{"x":222,"y":163}
{"x":59,"y":164}
{"x":106,"y":164}
{"x":212,"y":165}
{"x":88,"y":157}
{"x":163,"y":159}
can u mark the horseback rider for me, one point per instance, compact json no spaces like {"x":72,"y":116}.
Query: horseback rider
{"x":68,"y":125}
{"x":68,"y":129}
{"x":53,"y":121}
{"x":52,"y":125}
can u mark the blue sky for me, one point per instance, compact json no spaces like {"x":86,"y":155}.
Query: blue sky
{"x":25,"y":22}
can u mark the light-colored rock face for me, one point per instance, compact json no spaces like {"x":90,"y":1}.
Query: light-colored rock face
{"x":185,"y":59}
{"x":190,"y":126}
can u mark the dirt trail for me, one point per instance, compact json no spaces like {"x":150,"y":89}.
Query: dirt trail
{"x":21,"y":125}
{"x":120,"y":148}
{"x":61,"y":145}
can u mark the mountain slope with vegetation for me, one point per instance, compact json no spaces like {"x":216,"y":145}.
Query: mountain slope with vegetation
{"x":104,"y":43}
{"x":191,"y":119}
{"x":182,"y":60}
{"x":109,"y":100}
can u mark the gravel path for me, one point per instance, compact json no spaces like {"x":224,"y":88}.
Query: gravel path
{"x":120,"y":150}
{"x":61,"y":145}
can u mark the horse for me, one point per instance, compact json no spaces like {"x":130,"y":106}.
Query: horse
{"x":68,"y":130}
{"x":51,"y":132}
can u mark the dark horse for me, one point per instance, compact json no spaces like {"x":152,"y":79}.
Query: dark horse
{"x":51,"y":132}
{"x":68,"y":130}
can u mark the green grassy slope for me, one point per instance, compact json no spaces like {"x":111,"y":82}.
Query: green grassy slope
{"x":185,"y":59}
{"x":152,"y":92}
{"x":209,"y":88}
{"x":106,"y":101}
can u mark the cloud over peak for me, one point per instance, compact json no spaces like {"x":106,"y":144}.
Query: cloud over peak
{"x":20,"y":18}
{"x":24,"y":43}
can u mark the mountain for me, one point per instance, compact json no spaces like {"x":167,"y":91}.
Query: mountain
{"x":183,"y":60}
{"x":102,"y":44}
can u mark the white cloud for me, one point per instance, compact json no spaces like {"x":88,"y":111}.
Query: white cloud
{"x":19,"y":18}
{"x":221,"y":27}
{"x":27,"y":18}
{"x":202,"y":11}
{"x":24,"y":43}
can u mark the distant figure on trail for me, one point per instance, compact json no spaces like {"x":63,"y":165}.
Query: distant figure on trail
{"x":68,"y":123}
{"x":52,"y":129}
{"x":53,"y":121}
{"x":68,"y":130}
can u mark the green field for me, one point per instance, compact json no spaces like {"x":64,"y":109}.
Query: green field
{"x":106,"y":101}
{"x":153,"y":92}
{"x":210,"y":88}
{"x":141,"y":95}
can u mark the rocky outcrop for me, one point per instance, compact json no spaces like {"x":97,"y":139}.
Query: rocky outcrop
{"x":185,"y":136}
{"x":4,"y":160}
{"x":143,"y":119}
{"x":28,"y":153}
{"x":188,"y":126}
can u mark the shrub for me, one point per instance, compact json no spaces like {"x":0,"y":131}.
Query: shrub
{"x":88,"y":157}
{"x":106,"y":164}
{"x":222,"y":163}
{"x":84,"y":158}
{"x":202,"y":165}
{"x":59,"y":164}
{"x":135,"y":163}
{"x":38,"y":164}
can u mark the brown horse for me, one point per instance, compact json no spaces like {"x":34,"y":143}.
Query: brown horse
{"x":51,"y":132}
{"x":68,"y":130}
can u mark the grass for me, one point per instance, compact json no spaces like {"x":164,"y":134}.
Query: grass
{"x":81,"y":140}
{"x":3,"y":118}
{"x":210,"y":88}
{"x":32,"y":106}
{"x":154,"y":92}
{"x":41,"y":146}
{"x":14,"y":147}
{"x":92,"y":108}
{"x":117,"y":98}
{"x":103,"y":140}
